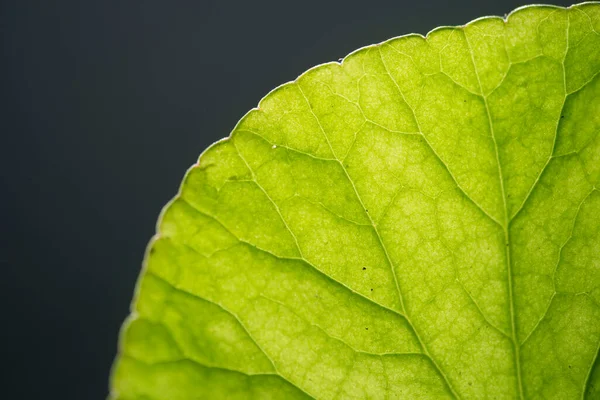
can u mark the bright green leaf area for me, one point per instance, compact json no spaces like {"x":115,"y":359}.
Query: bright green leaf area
{"x":420,"y":221}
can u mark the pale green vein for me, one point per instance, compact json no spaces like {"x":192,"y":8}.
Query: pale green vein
{"x":270,"y":200}
{"x":319,"y":204}
{"x":485,"y":318}
{"x":506,"y":232}
{"x":336,"y":215}
{"x":558,"y":261}
{"x":461,"y":284}
{"x":295,"y":150}
{"x":185,"y":357}
{"x":442,"y":162}
{"x":235,"y":316}
{"x":584,"y":84}
{"x":545,"y":167}
{"x":380,"y":240}
{"x":297,"y":259}
{"x":335,"y":338}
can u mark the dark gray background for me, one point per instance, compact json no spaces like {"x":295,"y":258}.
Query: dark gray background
{"x":104,"y":105}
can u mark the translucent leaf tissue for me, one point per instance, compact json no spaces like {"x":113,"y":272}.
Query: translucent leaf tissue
{"x":419,"y":221}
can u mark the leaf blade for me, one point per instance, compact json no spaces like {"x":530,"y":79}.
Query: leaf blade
{"x":377,"y":228}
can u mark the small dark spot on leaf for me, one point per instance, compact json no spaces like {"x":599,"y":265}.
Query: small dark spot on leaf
{"x":371,"y":289}
{"x":562,"y":116}
{"x":366,"y":210}
{"x":364,"y":268}
{"x":465,"y":101}
{"x":569,"y":367}
{"x":470,"y":383}
{"x":367,"y":328}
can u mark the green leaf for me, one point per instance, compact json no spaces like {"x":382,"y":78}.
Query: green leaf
{"x":419,"y":221}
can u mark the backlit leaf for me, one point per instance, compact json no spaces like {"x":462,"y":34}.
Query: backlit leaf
{"x":419,"y":221}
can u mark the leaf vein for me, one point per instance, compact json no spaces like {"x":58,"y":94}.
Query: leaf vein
{"x":175,"y":287}
{"x":380,"y":240}
{"x":558,"y":261}
{"x":505,"y":229}
{"x":296,"y":259}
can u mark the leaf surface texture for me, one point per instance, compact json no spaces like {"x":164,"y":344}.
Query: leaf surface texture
{"x":419,"y":221}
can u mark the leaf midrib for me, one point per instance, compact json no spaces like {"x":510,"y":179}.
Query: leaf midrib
{"x":505,"y":228}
